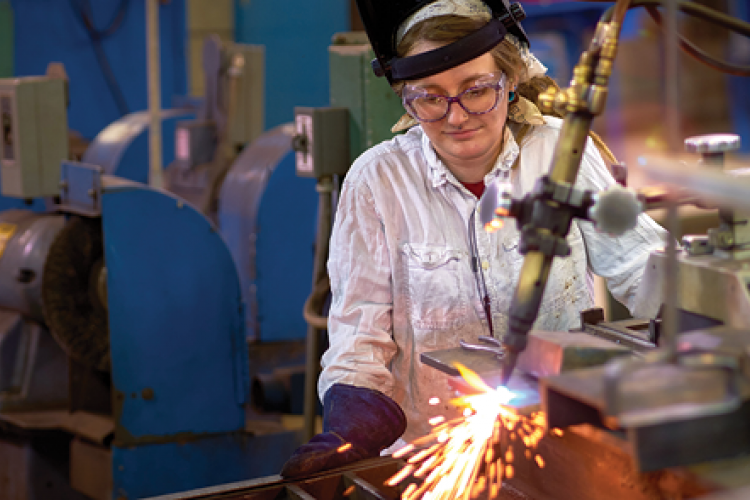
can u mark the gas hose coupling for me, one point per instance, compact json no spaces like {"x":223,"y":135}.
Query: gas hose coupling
{"x":552,"y":204}
{"x":588,"y":88}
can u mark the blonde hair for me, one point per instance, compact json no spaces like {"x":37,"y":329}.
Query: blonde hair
{"x":450,"y":28}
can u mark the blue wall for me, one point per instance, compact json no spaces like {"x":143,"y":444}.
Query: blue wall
{"x":50,"y":31}
{"x":296,"y":34}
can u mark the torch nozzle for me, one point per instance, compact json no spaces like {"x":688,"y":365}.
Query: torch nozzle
{"x":509,"y":364}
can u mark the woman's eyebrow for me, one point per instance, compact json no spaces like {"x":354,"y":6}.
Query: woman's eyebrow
{"x":464,"y":82}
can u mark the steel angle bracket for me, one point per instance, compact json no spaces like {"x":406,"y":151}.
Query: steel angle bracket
{"x":81,"y":188}
{"x":671,"y":435}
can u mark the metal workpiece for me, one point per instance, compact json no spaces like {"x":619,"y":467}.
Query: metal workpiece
{"x":685,"y":386}
{"x":365,"y":479}
{"x":581,"y":463}
{"x":577,"y":398}
{"x":693,"y":402}
{"x":362,"y":480}
{"x":546,"y":353}
{"x":635,"y":334}
{"x":710,"y":286}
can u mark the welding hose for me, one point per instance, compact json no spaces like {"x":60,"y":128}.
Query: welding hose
{"x":312,"y":361}
{"x":315,"y":302}
{"x":694,"y":9}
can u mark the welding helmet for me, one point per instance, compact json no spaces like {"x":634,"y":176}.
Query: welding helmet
{"x":382,"y":19}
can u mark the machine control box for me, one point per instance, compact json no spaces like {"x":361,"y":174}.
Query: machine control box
{"x":195,"y":143}
{"x":34,"y":135}
{"x":321,"y":141}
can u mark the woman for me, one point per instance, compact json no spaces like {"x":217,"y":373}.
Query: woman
{"x":406,"y":235}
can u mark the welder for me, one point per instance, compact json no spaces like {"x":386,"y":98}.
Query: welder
{"x":411,"y":267}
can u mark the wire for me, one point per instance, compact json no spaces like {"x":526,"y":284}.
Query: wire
{"x":476,"y":267}
{"x":82,"y":9}
{"x":690,"y":8}
{"x":700,"y":55}
{"x":702,"y":12}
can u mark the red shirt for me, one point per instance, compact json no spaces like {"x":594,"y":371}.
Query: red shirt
{"x":476,"y":188}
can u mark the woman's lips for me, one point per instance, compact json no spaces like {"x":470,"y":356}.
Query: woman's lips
{"x":462,"y":134}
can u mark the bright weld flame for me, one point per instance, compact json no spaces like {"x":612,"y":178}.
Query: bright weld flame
{"x":468,"y":456}
{"x":344,"y":447}
{"x":494,"y":225}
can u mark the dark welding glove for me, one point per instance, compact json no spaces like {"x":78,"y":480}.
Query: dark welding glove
{"x":367,"y":419}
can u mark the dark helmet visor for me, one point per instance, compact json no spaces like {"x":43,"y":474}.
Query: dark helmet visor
{"x":382,"y":19}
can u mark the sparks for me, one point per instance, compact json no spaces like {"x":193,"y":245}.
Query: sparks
{"x":437,"y":420}
{"x":464,"y":457}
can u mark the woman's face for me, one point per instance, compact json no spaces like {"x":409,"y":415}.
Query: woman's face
{"x":467,"y":143}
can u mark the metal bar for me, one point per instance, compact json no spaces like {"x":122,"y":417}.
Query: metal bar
{"x":154,"y":93}
{"x":620,"y":336}
{"x":365,"y":490}
{"x":297,"y":493}
{"x":671,"y":82}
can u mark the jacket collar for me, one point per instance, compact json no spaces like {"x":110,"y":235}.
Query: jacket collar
{"x":440,"y":174}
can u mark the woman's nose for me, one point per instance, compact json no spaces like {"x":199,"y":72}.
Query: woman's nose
{"x":456,"y":114}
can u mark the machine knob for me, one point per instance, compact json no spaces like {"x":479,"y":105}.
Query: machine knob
{"x":616,"y":210}
{"x":712,"y":143}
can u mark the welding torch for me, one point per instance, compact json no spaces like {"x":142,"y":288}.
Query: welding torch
{"x":545,"y":215}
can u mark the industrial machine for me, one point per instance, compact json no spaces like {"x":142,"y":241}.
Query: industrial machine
{"x":221,"y":161}
{"x":123,"y":328}
{"x":637,"y":409}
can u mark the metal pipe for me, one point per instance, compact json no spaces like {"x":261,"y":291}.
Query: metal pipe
{"x":671,"y":82}
{"x":312,"y":362}
{"x":670,"y":327}
{"x":154,"y":94}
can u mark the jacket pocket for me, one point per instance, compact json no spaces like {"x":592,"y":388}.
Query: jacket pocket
{"x":434,"y":292}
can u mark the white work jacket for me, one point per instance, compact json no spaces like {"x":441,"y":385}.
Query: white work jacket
{"x":401,"y":275}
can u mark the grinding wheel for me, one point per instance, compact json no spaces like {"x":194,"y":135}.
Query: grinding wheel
{"x":74,"y":292}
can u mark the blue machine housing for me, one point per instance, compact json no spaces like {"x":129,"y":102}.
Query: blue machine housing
{"x":267,"y":215}
{"x":178,"y":349}
{"x":121,"y":148}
